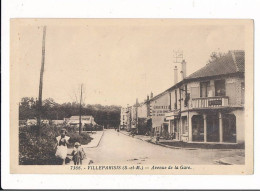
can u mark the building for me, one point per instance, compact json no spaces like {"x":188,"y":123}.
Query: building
{"x":123,"y":118}
{"x":33,"y":121}
{"x":129,"y":118}
{"x":205,"y":107}
{"x":57,"y":122}
{"x":158,"y":107}
{"x":208,"y":105}
{"x":85,"y":119}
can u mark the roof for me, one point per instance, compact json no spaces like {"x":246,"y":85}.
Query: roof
{"x":82,"y":117}
{"x":232,"y":62}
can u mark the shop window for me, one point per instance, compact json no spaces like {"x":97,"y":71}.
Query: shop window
{"x":229,"y":128}
{"x":197,"y":128}
{"x":220,"y":89}
{"x":184,"y":125}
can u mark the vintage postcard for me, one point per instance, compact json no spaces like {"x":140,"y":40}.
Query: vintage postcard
{"x":131,"y":96}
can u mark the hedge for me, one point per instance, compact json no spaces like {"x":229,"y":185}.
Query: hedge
{"x":39,"y":148}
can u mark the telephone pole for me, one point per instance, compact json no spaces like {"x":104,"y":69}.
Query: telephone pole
{"x":80,"y":129}
{"x":41,"y":79}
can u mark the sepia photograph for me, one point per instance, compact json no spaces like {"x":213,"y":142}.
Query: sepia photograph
{"x":131,"y":96}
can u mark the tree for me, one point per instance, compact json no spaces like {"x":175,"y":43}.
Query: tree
{"x":215,"y":56}
{"x":27,"y":108}
{"x":103,"y":115}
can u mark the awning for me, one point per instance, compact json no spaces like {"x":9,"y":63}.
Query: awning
{"x":169,"y":118}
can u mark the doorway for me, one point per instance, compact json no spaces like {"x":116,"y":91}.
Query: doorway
{"x":197,"y":128}
{"x":229,"y":128}
{"x":212,"y":128}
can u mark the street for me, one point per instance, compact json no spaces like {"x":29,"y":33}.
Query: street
{"x":116,"y":148}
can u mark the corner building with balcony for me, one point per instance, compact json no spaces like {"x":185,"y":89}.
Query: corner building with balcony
{"x":208,"y":105}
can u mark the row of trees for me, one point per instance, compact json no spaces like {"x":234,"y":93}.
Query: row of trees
{"x":109,"y":116}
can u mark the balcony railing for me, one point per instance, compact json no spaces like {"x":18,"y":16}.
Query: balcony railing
{"x":209,"y":102}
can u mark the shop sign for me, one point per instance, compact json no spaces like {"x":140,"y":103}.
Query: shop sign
{"x":215,"y":102}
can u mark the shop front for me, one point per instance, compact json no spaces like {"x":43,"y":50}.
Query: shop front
{"x":214,"y":127}
{"x":172,"y":120}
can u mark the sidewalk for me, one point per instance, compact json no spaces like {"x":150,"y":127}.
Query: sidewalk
{"x":185,"y":145}
{"x":199,"y":145}
{"x":97,"y":136}
{"x":235,"y":160}
{"x":141,"y":137}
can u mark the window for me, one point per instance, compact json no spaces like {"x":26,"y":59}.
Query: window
{"x":220,"y":88}
{"x":187,"y":96}
{"x":204,"y":89}
{"x":195,"y":92}
{"x":243,"y":92}
{"x":175,"y":103}
{"x":184,"y":125}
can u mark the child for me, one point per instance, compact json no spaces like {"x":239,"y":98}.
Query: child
{"x":78,"y":154}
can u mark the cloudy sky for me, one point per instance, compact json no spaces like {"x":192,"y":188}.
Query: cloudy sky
{"x":116,"y":60}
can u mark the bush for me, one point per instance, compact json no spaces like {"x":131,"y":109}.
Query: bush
{"x":39,"y":148}
{"x":89,"y":127}
{"x":83,"y":139}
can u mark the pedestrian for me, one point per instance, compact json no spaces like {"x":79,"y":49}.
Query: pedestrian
{"x":117,"y":131}
{"x":157,"y":136}
{"x":61,"y":145}
{"x":78,"y":154}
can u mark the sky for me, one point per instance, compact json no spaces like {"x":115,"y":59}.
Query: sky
{"x":116,"y":60}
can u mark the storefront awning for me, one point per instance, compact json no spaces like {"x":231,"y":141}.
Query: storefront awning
{"x":169,"y":118}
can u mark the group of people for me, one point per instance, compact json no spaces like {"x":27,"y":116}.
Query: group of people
{"x":78,"y":153}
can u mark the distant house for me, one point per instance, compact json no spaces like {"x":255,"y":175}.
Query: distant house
{"x":30,"y":122}
{"x":57,"y":122}
{"x":85,"y":119}
{"x":33,"y":121}
{"x":123,"y":118}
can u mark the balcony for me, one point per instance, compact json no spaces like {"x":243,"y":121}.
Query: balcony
{"x":209,"y":102}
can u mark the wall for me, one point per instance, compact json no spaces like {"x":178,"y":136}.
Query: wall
{"x":159,"y":107}
{"x":233,"y":91}
{"x":193,"y":89}
{"x":123,"y":116}
{"x":142,"y":111}
{"x":240,"y":125}
{"x":133,"y":116}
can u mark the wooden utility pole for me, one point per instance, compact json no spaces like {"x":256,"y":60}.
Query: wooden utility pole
{"x":41,"y":79}
{"x":80,"y":129}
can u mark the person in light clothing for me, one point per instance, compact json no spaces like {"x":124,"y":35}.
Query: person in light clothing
{"x":62,"y":143}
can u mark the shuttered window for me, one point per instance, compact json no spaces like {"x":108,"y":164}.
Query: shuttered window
{"x":231,"y":93}
{"x":195,"y":92}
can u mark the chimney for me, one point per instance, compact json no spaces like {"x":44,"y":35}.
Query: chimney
{"x":151,"y":95}
{"x":137,"y":101}
{"x":147,"y":97}
{"x":175,"y":75}
{"x":183,"y":63}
